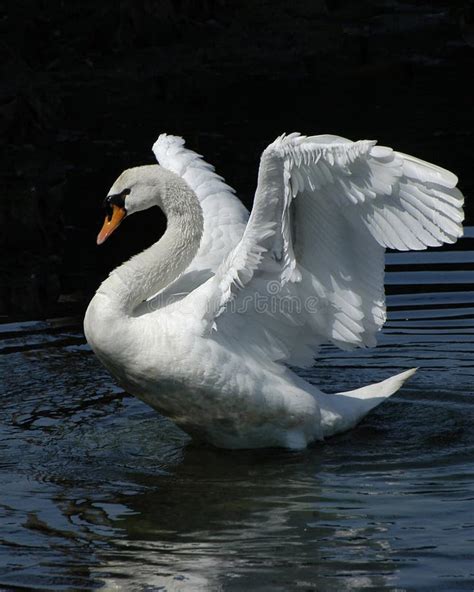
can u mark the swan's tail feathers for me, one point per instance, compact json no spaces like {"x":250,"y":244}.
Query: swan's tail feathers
{"x":345,"y":410}
{"x":380,"y":390}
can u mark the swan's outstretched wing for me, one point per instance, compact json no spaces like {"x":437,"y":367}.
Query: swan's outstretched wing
{"x":325,"y":209}
{"x":224,"y":215}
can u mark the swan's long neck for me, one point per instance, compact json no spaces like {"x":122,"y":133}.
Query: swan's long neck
{"x":148,"y":272}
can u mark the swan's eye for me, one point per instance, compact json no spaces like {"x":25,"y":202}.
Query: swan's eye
{"x":108,"y":208}
{"x":118,"y":199}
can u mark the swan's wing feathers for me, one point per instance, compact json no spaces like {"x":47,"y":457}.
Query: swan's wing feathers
{"x":224,"y":215}
{"x":325,"y":209}
{"x":369,"y":197}
{"x":238,"y":268}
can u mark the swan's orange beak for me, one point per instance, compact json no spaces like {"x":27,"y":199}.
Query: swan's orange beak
{"x":111,"y":223}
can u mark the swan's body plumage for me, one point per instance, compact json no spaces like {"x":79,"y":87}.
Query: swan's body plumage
{"x":206,"y":325}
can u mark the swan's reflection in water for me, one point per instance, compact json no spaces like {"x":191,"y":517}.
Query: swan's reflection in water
{"x":245,"y":521}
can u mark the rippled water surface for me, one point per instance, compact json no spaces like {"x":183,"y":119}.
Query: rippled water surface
{"x":97,"y":490}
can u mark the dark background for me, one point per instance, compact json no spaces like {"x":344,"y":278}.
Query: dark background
{"x":88,"y":86}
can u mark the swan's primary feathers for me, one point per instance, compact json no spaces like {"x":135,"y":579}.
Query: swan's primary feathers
{"x":211,"y":317}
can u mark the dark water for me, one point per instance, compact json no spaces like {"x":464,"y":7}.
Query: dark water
{"x":98,"y":490}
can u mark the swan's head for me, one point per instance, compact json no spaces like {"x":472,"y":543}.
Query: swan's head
{"x":136,"y":189}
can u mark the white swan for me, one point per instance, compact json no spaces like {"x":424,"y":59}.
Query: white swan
{"x":206,"y":323}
